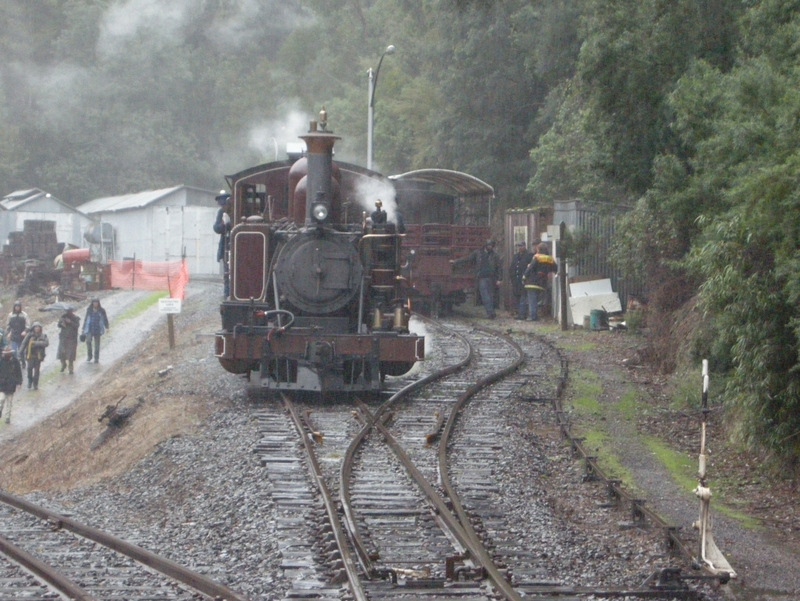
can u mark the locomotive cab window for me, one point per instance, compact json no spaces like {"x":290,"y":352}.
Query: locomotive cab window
{"x":253,"y":200}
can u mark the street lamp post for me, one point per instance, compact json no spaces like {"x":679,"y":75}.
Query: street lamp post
{"x":373,"y":82}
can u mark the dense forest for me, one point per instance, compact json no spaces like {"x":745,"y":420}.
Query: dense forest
{"x":687,"y":110}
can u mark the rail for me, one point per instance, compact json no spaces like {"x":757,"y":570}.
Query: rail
{"x":158,"y":563}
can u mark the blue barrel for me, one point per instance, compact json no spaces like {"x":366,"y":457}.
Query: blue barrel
{"x":598,"y":320}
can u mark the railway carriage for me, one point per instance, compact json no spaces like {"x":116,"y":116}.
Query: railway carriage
{"x":447,"y":216}
{"x":318,"y":299}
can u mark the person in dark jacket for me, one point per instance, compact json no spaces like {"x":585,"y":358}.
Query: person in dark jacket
{"x":378,"y":216}
{"x":10,"y":381}
{"x":95,"y":324}
{"x":222,"y":226}
{"x":488,"y":272}
{"x":535,"y":278}
{"x":519,"y":263}
{"x":69,"y":325}
{"x":17,"y":326}
{"x":33,"y":349}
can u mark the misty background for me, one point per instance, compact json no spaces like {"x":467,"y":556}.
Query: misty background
{"x":685,"y":111}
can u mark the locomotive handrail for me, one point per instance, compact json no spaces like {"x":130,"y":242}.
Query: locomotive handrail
{"x":395,"y":237}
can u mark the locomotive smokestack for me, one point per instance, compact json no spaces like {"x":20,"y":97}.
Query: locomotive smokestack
{"x":320,"y":158}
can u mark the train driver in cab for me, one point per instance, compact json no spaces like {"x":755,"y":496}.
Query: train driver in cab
{"x":378,"y":216}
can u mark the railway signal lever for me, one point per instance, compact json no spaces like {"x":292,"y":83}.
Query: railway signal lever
{"x":709,"y":557}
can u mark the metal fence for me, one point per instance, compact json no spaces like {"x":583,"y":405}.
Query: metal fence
{"x":593,"y":227}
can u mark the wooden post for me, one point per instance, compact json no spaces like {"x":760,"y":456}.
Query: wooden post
{"x":171,"y":329}
{"x":562,"y":280}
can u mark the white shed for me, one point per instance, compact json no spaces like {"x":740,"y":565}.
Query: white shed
{"x":34,"y":204}
{"x":162,"y":225}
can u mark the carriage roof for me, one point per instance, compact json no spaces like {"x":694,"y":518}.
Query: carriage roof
{"x":461,"y":183}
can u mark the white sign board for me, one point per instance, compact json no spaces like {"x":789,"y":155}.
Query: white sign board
{"x":169,"y":305}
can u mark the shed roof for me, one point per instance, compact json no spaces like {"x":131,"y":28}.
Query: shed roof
{"x":463,"y":183}
{"x":20,"y":198}
{"x":126,"y":201}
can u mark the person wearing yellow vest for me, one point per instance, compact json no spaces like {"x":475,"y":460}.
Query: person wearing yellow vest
{"x":535,"y":278}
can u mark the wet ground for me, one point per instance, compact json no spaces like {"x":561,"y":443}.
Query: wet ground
{"x":131,"y":315}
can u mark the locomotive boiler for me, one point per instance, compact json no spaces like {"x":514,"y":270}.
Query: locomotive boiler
{"x":318,"y":301}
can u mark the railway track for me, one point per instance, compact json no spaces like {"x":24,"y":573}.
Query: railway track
{"x":405,"y":498}
{"x":45,"y":555}
{"x":413,"y":497}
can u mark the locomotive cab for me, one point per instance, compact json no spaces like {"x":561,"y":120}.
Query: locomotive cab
{"x":317,"y":303}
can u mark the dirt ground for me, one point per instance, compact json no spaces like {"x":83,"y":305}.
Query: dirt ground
{"x":760,"y":534}
{"x":57,"y":455}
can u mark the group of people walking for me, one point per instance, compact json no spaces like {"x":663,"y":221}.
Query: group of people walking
{"x":24,"y":346}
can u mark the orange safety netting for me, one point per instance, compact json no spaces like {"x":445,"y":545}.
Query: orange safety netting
{"x":140,"y":275}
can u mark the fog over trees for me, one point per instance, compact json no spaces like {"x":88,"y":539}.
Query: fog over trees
{"x":687,"y":110}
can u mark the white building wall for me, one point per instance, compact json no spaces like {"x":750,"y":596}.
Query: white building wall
{"x":165,"y":233}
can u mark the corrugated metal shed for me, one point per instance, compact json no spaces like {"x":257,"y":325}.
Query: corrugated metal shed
{"x":162,"y":225}
{"x":126,"y":201}
{"x":36,"y":205}
{"x":25,"y":198}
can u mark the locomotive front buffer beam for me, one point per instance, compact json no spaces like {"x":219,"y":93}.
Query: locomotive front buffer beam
{"x":302,"y":360}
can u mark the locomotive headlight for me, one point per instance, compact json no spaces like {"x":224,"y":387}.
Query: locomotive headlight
{"x":320,"y":212}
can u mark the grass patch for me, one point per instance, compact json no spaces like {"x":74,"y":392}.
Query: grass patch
{"x":588,"y":389}
{"x":580,"y":346}
{"x":683,"y":470}
{"x":626,"y":406}
{"x":747,"y":521}
{"x":547,"y":328}
{"x":597,"y":443}
{"x":142,"y":305}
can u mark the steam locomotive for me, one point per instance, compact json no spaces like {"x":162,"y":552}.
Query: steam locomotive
{"x":318,"y":300}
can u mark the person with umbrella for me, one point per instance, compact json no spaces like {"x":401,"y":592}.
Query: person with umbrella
{"x":68,"y":328}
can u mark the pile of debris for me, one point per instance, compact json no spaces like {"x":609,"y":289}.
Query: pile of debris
{"x":28,"y":257}
{"x":37,"y":240}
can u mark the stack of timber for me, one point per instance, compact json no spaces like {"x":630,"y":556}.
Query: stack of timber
{"x":37,"y":240}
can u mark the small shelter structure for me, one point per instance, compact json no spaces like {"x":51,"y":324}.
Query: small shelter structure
{"x":37,"y":205}
{"x":159,"y":225}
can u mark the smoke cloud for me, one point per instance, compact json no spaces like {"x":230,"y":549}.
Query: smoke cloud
{"x":165,"y":23}
{"x":160,"y":21}
{"x":367,"y":192}
{"x":270,"y":138}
